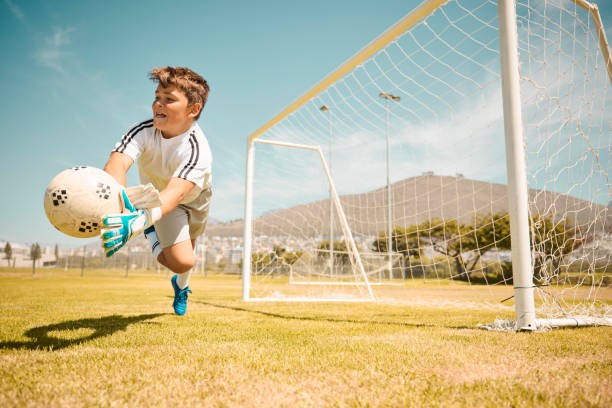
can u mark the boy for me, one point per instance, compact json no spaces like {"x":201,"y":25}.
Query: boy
{"x":173,"y":155}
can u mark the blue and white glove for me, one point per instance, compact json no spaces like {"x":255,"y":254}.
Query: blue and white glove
{"x":118,"y":229}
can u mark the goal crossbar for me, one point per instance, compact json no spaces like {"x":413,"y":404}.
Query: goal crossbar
{"x":601,"y":33}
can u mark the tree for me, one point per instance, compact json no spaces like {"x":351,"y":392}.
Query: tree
{"x":260,"y":260}
{"x":279,"y":257}
{"x":465,"y":243}
{"x":552,"y":241}
{"x":291,"y":257}
{"x":449,"y":238}
{"x":277,"y":254}
{"x":341,"y":255}
{"x":56,"y":252}
{"x":488,"y":232}
{"x":35,"y":254}
{"x":8,"y":253}
{"x":408,"y":241}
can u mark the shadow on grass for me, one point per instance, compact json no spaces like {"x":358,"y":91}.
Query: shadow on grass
{"x":333,"y":320}
{"x":41,"y":337}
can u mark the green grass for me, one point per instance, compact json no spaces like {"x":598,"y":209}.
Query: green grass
{"x":105,"y":340}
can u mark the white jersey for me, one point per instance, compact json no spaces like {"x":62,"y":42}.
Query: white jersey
{"x":185,"y":156}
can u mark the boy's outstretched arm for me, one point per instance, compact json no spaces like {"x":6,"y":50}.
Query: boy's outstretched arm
{"x":174,"y":193}
{"x":118,"y":165}
{"x":119,"y":228}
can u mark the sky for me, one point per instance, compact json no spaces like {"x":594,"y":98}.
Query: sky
{"x":74,"y":79}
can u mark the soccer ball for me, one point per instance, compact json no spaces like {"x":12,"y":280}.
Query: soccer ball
{"x":78,"y":198}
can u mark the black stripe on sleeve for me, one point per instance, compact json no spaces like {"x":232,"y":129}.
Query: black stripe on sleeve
{"x":197,"y":156}
{"x":190,"y":158}
{"x":127,"y":138}
{"x":195,"y":150}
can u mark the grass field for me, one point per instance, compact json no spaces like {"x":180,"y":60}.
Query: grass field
{"x":105,"y":340}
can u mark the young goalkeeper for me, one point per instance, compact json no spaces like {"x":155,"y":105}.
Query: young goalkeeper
{"x":173,"y":155}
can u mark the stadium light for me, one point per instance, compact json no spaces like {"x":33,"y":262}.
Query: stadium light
{"x":387,"y":97}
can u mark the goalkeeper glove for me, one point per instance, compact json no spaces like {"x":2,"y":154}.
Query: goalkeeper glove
{"x":118,"y":229}
{"x":143,"y":196}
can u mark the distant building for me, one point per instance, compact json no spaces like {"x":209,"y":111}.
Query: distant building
{"x":21,"y":256}
{"x":213,"y":256}
{"x":234,"y":255}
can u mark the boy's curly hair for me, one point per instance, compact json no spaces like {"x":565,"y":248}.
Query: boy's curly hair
{"x":190,"y":83}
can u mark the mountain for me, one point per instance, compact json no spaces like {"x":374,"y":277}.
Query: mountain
{"x":213,"y":221}
{"x":415,"y":200}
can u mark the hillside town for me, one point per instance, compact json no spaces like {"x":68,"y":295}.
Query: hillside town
{"x":224,"y":254}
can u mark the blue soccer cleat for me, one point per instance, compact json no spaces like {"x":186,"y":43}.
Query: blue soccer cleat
{"x":180,"y":297}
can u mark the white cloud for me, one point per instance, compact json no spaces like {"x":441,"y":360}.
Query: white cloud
{"x":15,"y":10}
{"x":52,"y":54}
{"x":228,"y":197}
{"x":468,"y":140}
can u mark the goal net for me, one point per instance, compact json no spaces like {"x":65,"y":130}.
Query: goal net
{"x":412,"y":130}
{"x":324,"y":267}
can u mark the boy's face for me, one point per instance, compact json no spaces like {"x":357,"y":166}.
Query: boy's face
{"x":172,"y":113}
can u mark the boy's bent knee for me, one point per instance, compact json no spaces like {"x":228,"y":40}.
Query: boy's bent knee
{"x":182,"y":266}
{"x":178,"y":263}
{"x":178,"y":258}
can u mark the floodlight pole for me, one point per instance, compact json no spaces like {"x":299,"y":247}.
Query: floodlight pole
{"x":331,"y":202}
{"x":388,"y":96}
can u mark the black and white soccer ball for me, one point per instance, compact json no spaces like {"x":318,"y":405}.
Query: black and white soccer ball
{"x":78,"y":198}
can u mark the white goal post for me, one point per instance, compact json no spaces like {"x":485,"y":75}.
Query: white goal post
{"x":352,"y":252}
{"x":540,"y":71}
